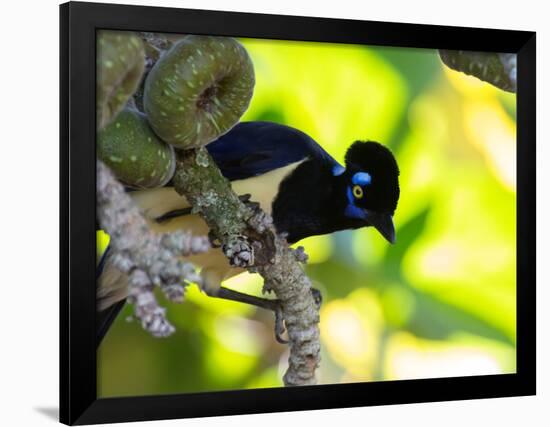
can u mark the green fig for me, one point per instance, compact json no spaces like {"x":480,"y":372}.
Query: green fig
{"x":134,"y":153}
{"x":198,"y":90}
{"x":498,"y":69}
{"x":120,"y":62}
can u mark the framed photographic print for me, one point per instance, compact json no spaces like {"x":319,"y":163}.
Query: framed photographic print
{"x":268,"y":213}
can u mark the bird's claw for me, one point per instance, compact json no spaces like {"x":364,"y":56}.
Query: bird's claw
{"x":317,"y":297}
{"x":213,"y":239}
{"x":279,"y":324}
{"x":245,"y":198}
{"x":279,"y":317}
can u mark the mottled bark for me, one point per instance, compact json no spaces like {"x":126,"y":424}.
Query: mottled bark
{"x":249,"y":239}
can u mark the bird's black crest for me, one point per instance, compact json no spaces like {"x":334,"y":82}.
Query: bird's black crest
{"x":379,"y":162}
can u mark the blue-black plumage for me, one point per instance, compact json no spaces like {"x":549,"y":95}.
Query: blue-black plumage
{"x":254,"y":148}
{"x":293,"y":178}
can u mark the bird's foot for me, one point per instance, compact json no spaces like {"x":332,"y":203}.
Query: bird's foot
{"x":245,"y":198}
{"x":274,"y":305}
{"x":268,"y":304}
{"x":279,"y":317}
{"x":213,"y":239}
{"x":260,"y":221}
{"x":317,"y":297}
{"x":279,"y":323}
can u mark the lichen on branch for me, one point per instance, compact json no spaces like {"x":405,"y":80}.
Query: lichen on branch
{"x":149,"y":259}
{"x":250,"y":240}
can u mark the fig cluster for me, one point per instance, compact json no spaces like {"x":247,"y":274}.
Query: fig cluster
{"x":195,"y":92}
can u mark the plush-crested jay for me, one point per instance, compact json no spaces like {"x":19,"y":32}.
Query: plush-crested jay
{"x":293,"y":178}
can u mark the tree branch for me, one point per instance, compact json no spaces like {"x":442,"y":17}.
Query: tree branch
{"x":249,"y":240}
{"x":148,"y":258}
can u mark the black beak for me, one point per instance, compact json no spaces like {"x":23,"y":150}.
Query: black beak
{"x":383,"y":222}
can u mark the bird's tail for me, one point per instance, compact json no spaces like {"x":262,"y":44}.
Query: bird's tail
{"x":112,"y":287}
{"x":105,"y":319}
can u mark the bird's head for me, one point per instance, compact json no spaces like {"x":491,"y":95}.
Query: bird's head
{"x":371,"y":186}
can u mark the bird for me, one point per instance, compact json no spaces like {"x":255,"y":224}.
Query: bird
{"x":292,"y":178}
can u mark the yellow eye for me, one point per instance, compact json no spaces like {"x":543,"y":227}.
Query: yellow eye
{"x":357,"y":191}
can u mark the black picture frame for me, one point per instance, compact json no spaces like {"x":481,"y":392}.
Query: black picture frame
{"x":79,"y":403}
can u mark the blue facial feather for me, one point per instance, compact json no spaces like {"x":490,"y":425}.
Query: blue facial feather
{"x":351,"y":199}
{"x":352,"y":211}
{"x":361,"y":178}
{"x":338,"y":170}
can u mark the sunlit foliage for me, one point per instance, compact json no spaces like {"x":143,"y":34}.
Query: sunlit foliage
{"x":440,"y":302}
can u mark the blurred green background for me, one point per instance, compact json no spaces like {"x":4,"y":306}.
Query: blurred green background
{"x":440,"y":302}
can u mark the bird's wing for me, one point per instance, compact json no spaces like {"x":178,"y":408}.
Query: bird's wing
{"x":255,"y":148}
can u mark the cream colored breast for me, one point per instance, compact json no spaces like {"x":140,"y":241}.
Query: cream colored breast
{"x":262,"y":188}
